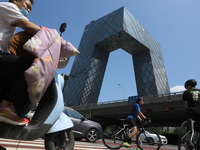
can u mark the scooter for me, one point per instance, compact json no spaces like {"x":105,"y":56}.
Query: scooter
{"x":48,"y":121}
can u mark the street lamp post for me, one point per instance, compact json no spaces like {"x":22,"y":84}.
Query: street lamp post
{"x":123,"y":91}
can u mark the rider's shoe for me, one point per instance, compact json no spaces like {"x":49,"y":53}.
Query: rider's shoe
{"x":125,"y":144}
{"x":8,"y":115}
{"x":138,"y":148}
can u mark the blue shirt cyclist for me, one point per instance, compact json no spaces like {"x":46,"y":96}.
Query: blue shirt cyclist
{"x":133,"y":119}
{"x":134,"y":112}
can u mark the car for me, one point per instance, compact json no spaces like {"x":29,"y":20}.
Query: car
{"x":163,"y":139}
{"x":153,"y":137}
{"x":84,"y":128}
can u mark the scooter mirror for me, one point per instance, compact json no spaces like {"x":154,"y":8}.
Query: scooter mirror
{"x":63,"y":27}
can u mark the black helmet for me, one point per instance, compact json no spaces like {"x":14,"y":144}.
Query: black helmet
{"x":138,"y":99}
{"x":190,"y":82}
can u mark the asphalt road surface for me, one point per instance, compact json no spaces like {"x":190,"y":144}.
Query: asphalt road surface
{"x":79,"y":145}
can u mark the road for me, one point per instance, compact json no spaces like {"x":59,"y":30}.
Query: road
{"x":79,"y":145}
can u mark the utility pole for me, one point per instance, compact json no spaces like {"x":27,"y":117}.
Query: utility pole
{"x":123,"y":91}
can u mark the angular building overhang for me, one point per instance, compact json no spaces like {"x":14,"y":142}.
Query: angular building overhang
{"x":117,"y":30}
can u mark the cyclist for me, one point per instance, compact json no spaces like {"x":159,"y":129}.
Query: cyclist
{"x":134,"y":118}
{"x":191,"y":97}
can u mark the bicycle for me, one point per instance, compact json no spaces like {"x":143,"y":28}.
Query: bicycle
{"x":114,"y":136}
{"x":189,"y":139}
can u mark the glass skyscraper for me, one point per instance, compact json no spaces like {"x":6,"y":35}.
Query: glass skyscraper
{"x":116,"y":30}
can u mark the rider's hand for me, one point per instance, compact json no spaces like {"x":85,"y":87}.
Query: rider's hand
{"x":148,"y":119}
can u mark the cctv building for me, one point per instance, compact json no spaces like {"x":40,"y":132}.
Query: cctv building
{"x":117,"y":30}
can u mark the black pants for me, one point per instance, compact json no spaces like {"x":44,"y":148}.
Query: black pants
{"x":196,"y":118}
{"x":13,"y":87}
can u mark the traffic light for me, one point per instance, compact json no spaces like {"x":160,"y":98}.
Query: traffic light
{"x":170,"y":108}
{"x":148,"y":110}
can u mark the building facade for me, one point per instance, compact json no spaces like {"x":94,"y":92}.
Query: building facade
{"x":117,"y":30}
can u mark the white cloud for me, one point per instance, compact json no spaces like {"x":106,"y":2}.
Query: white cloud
{"x":177,"y":88}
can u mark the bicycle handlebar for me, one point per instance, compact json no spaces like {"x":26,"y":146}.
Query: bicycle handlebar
{"x":145,"y":123}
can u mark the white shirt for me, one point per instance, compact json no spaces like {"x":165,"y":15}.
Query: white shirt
{"x":9,"y":15}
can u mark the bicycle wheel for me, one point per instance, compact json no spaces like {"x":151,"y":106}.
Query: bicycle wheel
{"x":198,"y":140}
{"x":184,"y":136}
{"x":148,"y":139}
{"x":113,"y":137}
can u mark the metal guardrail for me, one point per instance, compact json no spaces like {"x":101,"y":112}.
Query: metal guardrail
{"x":149,"y":99}
{"x":144,"y":97}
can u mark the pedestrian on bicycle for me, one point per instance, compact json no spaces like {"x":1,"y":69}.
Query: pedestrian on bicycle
{"x":134,"y":119}
{"x":191,"y":97}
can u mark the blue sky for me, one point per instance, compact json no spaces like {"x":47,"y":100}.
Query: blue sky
{"x":174,"y":24}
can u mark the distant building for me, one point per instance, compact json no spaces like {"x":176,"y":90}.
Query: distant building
{"x":116,"y":30}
